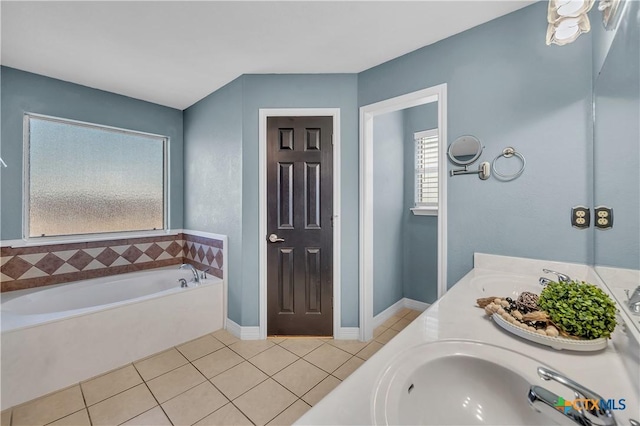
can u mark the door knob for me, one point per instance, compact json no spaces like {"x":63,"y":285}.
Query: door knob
{"x":274,"y":238}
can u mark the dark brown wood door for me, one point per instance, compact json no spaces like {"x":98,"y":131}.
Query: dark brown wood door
{"x":299,"y":215}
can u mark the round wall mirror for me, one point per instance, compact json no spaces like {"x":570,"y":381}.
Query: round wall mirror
{"x":465,"y":150}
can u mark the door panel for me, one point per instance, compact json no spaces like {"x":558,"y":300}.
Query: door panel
{"x":299,"y":213}
{"x":312,"y":195}
{"x":313,"y":278}
{"x":285,"y":280}
{"x":285,"y":196}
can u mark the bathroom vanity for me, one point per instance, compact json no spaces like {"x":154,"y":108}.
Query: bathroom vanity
{"x":449,"y":325}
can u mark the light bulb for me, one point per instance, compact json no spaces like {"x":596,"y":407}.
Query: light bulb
{"x":572,"y":8}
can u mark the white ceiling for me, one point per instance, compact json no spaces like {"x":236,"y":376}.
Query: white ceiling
{"x":176,"y":53}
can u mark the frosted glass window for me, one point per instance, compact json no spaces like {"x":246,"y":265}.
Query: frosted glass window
{"x":88,"y":179}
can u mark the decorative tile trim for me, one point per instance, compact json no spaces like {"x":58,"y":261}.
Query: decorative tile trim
{"x":89,"y":244}
{"x":202,"y":240}
{"x":36,"y":266}
{"x":203,"y":253}
{"x":22,"y":284}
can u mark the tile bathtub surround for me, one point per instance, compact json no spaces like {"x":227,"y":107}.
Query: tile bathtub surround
{"x":213,"y":380}
{"x":203,"y":253}
{"x":36,"y":266}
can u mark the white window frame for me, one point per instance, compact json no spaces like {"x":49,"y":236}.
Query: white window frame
{"x":91,"y":236}
{"x":425,"y":209}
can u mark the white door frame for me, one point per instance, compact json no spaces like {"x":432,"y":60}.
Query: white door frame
{"x":262,"y":234}
{"x":367,"y":113}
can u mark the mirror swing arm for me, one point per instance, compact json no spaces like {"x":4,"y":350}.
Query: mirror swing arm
{"x":483,"y":172}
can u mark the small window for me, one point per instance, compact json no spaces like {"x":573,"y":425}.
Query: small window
{"x":83,"y":178}
{"x":426,"y":175}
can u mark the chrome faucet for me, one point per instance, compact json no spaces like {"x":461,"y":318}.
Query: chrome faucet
{"x":633,"y":301}
{"x":585,"y":410}
{"x":561,"y":277}
{"x":196,"y":278}
{"x":544,"y":280}
{"x":203,"y":275}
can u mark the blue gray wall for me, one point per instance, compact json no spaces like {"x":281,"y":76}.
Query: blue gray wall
{"x":300,"y":91}
{"x":388,"y":209}
{"x":222,"y":135}
{"x":504,"y":86}
{"x":405,"y":252}
{"x":617,"y":141}
{"x":213,"y":177}
{"x":601,"y":37}
{"x":420,"y":233}
{"x":508,"y":88}
{"x":26,"y":92}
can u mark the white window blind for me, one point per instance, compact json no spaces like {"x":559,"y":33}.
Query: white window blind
{"x":426,"y":160}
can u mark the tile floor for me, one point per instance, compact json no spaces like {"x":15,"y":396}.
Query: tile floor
{"x":213,"y":380}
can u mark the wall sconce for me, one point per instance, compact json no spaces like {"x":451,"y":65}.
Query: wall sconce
{"x":567,"y":20}
{"x":609,"y":9}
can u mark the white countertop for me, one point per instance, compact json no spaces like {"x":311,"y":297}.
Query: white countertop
{"x":612,"y":372}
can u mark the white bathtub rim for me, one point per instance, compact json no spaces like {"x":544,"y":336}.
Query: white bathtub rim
{"x":10,"y":295}
{"x":89,"y":293}
{"x":35,"y":320}
{"x":160,"y":282}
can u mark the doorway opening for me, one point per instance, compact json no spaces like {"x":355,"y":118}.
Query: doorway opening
{"x":438,"y":95}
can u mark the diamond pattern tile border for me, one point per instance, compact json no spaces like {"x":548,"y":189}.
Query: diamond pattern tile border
{"x":62,"y":263}
{"x":81,"y":259}
{"x":107,"y":257}
{"x":15,"y":267}
{"x":49,"y":264}
{"x":154,"y":251}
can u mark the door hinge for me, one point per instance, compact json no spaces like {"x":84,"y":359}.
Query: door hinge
{"x":331,"y":138}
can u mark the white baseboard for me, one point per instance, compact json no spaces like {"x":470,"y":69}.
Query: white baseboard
{"x":388,"y":313}
{"x":233,"y":328}
{"x":415,"y":305}
{"x":397,"y":307}
{"x":243,"y":333}
{"x":253,"y":333}
{"x":344,"y":333}
{"x":348,"y":333}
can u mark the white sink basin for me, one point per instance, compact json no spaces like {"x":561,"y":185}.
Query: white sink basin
{"x":504,"y":286}
{"x":457,"y":383}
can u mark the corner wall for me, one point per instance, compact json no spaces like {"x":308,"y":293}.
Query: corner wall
{"x":508,"y":88}
{"x":388,"y":207}
{"x":213,"y":177}
{"x":616,"y":175}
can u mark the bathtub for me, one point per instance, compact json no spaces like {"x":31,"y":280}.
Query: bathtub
{"x":58,"y":336}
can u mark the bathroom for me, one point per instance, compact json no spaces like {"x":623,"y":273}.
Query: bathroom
{"x":504,"y":85}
